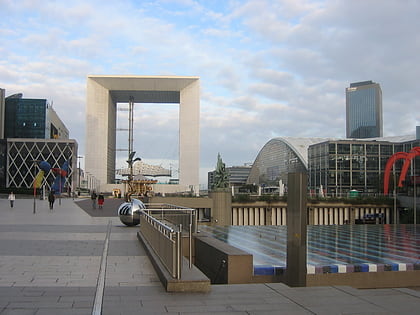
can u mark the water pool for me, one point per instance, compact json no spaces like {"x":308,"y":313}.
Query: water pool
{"x":331,"y":248}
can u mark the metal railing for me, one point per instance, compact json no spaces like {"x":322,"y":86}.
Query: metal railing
{"x":161,"y":226}
{"x":173,"y":215}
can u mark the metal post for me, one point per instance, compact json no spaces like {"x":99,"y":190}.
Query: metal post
{"x":80,"y":171}
{"x":34,"y":162}
{"x":179,"y":252}
{"x":190,"y":245}
{"x":414,"y":191}
{"x":59,"y":189}
{"x":395,"y":195}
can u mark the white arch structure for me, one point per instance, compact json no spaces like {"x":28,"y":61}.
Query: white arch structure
{"x":105,"y":91}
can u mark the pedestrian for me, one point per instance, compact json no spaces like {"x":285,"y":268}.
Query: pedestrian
{"x":51,"y":199}
{"x":93,"y":197}
{"x":12,"y":198}
{"x":101,"y":200}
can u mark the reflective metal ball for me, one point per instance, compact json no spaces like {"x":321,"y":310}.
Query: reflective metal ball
{"x":129,"y":212}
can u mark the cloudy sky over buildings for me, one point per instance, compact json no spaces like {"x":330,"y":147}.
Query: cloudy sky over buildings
{"x":267,"y":68}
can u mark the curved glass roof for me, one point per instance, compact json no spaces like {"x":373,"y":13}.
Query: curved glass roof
{"x":300,"y":146}
{"x":284,"y":154}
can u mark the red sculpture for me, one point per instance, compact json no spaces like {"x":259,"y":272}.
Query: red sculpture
{"x":397,"y":156}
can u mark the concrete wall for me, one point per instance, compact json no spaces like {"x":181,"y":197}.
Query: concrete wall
{"x":221,"y":262}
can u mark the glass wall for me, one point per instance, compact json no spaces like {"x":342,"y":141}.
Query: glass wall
{"x":337,"y":167}
{"x":25,"y":118}
{"x":275,"y":160}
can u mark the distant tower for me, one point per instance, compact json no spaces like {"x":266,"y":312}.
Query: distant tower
{"x":364,"y":110}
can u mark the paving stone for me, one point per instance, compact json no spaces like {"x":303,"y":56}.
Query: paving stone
{"x":49,"y":264}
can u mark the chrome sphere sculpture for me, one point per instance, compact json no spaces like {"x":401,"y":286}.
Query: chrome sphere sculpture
{"x":129,"y":212}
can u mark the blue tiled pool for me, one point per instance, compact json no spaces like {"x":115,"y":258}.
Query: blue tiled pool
{"x":331,"y":248}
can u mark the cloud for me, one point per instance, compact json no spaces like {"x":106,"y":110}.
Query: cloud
{"x":266,"y":68}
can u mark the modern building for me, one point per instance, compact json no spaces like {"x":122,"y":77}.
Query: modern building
{"x":364,"y":110}
{"x":23,"y":156}
{"x":334,"y":166}
{"x":278,"y":157}
{"x":337,"y":167}
{"x":238,"y":175}
{"x":2,"y":105}
{"x":105,"y":92}
{"x":31,"y":132}
{"x":32,"y":118}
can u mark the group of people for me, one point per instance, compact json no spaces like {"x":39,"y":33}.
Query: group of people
{"x":100,"y":199}
{"x":51,"y":199}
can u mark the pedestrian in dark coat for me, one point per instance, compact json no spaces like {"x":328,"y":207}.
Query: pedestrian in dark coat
{"x":51,"y":199}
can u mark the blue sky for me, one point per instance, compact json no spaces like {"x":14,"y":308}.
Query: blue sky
{"x":267,"y":68}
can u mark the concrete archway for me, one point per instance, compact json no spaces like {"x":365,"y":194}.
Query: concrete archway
{"x":105,"y":91}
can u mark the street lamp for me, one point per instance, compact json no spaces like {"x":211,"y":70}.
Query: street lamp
{"x":34,"y":183}
{"x":130,"y":162}
{"x":79,"y":173}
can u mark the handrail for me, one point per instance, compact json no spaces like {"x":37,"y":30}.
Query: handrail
{"x":162,"y":227}
{"x":162,"y":210}
{"x":165,"y":242}
{"x":156,"y":215}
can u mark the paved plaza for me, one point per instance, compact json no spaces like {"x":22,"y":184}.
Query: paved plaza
{"x":68,"y":261}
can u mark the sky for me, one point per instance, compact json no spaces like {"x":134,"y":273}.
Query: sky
{"x":267,"y":68}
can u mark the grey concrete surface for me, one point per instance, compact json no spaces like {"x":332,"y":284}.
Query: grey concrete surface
{"x":50,"y":264}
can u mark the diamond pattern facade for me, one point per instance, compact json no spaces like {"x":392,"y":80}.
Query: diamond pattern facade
{"x":21,"y":154}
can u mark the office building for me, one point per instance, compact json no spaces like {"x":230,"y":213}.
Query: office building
{"x":2,"y":101}
{"x":20,"y":156}
{"x":338,"y":167}
{"x":238,"y":175}
{"x":364,"y":110}
{"x":334,"y":166}
{"x":32,"y":118}
{"x":279,"y":157}
{"x":31,"y":132}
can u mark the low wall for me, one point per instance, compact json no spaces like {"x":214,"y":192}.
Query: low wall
{"x":221,"y":262}
{"x":367,"y":280}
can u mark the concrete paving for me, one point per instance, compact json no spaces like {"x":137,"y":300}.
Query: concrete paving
{"x":53,"y":262}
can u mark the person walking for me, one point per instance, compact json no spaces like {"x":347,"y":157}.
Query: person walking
{"x":101,"y":200}
{"x":51,"y":199}
{"x":93,"y":197}
{"x":12,"y":199}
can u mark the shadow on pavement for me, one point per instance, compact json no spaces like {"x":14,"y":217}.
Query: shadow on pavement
{"x":109,"y":208}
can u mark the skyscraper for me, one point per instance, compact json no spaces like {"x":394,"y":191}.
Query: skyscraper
{"x":364,"y":110}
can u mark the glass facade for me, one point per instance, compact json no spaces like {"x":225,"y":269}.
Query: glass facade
{"x":237,"y":175}
{"x":273,"y":163}
{"x":334,"y":167}
{"x":338,"y":167}
{"x":364,"y":110}
{"x":25,"y":118}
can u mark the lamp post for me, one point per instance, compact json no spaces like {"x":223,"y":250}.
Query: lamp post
{"x":34,"y":184}
{"x":130,"y":162}
{"x":79,"y":173}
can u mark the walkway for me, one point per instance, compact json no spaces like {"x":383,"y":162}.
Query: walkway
{"x":67,"y":262}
